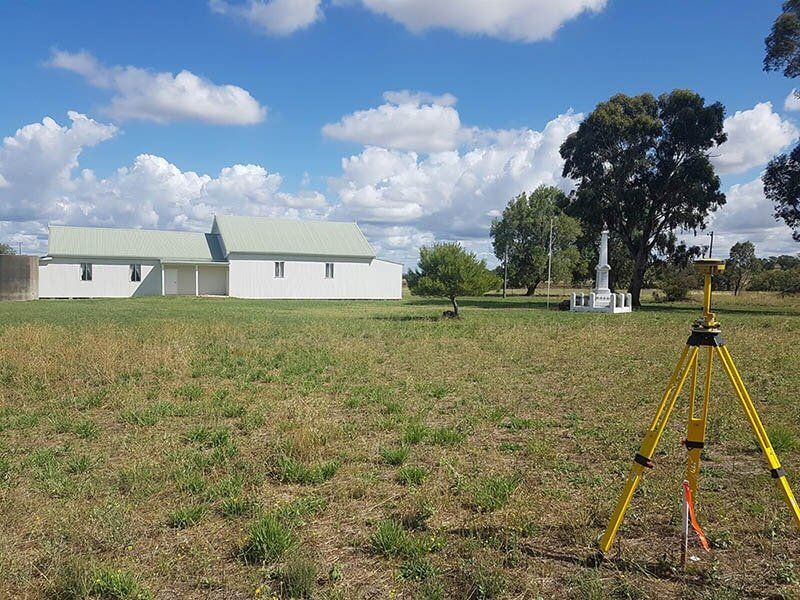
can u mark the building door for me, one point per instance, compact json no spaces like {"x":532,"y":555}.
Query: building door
{"x":171,"y":281}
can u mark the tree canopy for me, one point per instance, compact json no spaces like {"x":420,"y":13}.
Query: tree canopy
{"x":643,"y":169}
{"x":524,"y":231}
{"x":782,"y":188}
{"x":782,"y":176}
{"x":6,"y":249}
{"x":783,"y":42}
{"x":445,"y":269}
{"x":741,"y":265}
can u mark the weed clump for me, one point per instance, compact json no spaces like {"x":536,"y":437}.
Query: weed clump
{"x":77,"y":581}
{"x":268,"y":540}
{"x":395,"y":456}
{"x":411,"y":475}
{"x":186,"y":516}
{"x":299,"y":578}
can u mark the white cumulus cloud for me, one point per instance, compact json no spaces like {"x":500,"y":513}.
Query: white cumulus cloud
{"x":792,"y":101}
{"x":163,"y":97}
{"x":748,"y":215}
{"x":404,"y":199}
{"x":44,"y":184}
{"x":408,"y":121}
{"x":276,"y":17}
{"x":754,"y":136}
{"x":514,"y":20}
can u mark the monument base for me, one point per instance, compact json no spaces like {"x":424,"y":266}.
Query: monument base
{"x":601,"y":303}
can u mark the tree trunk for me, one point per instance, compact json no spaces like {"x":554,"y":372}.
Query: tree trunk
{"x":532,"y":289}
{"x":455,"y":306}
{"x":637,"y":278}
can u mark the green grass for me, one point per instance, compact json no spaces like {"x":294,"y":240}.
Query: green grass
{"x":412,"y":475}
{"x":186,"y":516}
{"x":492,"y":493}
{"x":395,"y":456}
{"x":269,"y":538}
{"x":183,"y":447}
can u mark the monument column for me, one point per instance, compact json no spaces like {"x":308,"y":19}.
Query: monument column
{"x":601,"y":285}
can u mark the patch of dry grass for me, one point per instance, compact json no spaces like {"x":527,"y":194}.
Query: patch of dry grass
{"x":363,"y":449}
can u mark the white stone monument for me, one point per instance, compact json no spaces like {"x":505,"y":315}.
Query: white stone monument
{"x":601,"y":299}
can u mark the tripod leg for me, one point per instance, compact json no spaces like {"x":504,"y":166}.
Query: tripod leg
{"x":644,"y":457}
{"x":763,"y":439}
{"x":696,"y":431}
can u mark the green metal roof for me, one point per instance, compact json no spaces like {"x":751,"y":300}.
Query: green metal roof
{"x":260,"y":235}
{"x":101,"y":242}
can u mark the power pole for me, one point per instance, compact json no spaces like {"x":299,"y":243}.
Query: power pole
{"x":711,"y":244}
{"x":549,"y":261}
{"x":19,"y":244}
{"x":505,"y":271}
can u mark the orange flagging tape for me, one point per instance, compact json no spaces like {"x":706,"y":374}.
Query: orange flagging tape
{"x":687,"y":492}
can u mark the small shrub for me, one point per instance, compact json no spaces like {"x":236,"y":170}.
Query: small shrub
{"x":676,"y":283}
{"x":299,"y":578}
{"x":411,"y":475}
{"x":186,"y":516}
{"x":492,"y":493}
{"x":268,"y":540}
{"x":395,"y":456}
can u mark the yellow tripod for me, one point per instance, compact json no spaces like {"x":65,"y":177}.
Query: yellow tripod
{"x":706,"y":333}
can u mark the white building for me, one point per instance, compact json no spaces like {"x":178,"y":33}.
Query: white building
{"x":601,"y":299}
{"x":243,"y":257}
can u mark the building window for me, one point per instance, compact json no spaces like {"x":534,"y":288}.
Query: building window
{"x":136,"y":272}
{"x":279,"y":269}
{"x":86,"y":271}
{"x":328,"y":270}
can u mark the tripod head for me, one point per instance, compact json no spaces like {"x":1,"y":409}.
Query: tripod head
{"x":708,"y":267}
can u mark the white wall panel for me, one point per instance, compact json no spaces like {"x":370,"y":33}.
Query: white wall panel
{"x":61,"y":278}
{"x":214,"y":281}
{"x":254,"y":277}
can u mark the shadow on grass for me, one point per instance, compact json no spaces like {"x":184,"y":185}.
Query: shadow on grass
{"x":596,"y":560}
{"x":721,"y":311}
{"x":405,"y":318}
{"x":489,"y":302}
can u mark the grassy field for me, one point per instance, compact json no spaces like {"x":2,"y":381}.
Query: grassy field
{"x":221,"y":448}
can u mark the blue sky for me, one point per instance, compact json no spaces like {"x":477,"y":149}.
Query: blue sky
{"x":420,"y":167}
